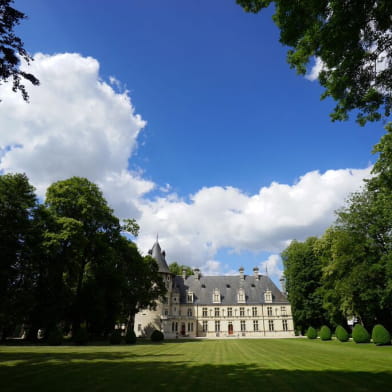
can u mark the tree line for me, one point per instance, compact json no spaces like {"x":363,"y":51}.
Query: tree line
{"x":65,"y":262}
{"x":347,"y":272}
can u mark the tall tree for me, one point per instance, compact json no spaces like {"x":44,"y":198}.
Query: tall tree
{"x":12,"y":50}
{"x":353,"y":41}
{"x":177,"y":269}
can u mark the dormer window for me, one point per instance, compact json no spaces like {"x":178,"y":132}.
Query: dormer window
{"x":241,"y":296}
{"x":216,"y":297}
{"x":268,"y":296}
{"x":189,"y":297}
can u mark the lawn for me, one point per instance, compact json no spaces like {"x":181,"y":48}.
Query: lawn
{"x":204,"y":365}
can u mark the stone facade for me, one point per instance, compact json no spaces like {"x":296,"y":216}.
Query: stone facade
{"x":216,"y":306}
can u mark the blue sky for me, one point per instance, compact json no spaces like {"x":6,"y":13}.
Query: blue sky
{"x":223,"y":111}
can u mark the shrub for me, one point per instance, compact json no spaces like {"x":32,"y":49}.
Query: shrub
{"x":325,"y":333}
{"x":55,"y":337}
{"x":157,"y":336}
{"x":115,"y":337}
{"x":311,"y":333}
{"x":130,"y":337}
{"x":380,"y":335}
{"x":360,"y":335}
{"x":341,"y":333}
{"x":81,"y":337}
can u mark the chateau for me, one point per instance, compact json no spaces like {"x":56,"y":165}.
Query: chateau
{"x":216,"y":306}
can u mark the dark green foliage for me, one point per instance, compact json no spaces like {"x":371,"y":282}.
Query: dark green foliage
{"x":341,"y":334}
{"x":157,"y":336}
{"x":55,"y":337}
{"x":81,"y":337}
{"x":325,"y":333}
{"x":360,"y":334}
{"x":115,"y":337}
{"x":177,"y":269}
{"x":380,"y":335}
{"x":352,"y":38}
{"x":130,"y":337}
{"x":311,"y":333}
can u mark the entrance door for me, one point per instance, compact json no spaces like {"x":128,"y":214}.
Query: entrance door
{"x":183,"y":329}
{"x":230,"y":329}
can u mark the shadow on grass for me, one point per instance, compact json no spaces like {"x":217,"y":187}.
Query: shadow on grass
{"x":129,"y":372}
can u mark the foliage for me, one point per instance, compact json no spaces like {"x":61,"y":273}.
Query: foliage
{"x":130,"y":337}
{"x":311,"y":333}
{"x":55,"y":337}
{"x":360,"y":334}
{"x":341,"y":334}
{"x":157,"y":336}
{"x":115,"y":337}
{"x":12,"y":50}
{"x":177,"y":269}
{"x":351,"y":38}
{"x":380,"y":335}
{"x":325,"y":333}
{"x":81,"y":337}
{"x":303,"y":272}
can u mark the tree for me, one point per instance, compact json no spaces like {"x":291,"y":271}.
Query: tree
{"x":12,"y":50}
{"x":177,"y":269}
{"x":353,"y":41}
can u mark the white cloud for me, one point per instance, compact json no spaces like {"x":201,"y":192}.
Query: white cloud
{"x":316,"y":69}
{"x":272,"y":266}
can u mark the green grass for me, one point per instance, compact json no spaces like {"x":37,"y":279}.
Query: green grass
{"x":220,"y":365}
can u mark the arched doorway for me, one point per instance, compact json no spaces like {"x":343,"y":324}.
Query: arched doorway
{"x":230,"y":328}
{"x":182,"y":329}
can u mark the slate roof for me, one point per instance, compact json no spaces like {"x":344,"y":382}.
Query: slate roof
{"x":159,"y":256}
{"x":228,"y":286}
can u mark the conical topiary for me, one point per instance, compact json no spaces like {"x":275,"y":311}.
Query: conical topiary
{"x":157,"y":336}
{"x":325,"y":333}
{"x":380,"y":335}
{"x":341,"y":333}
{"x":311,"y":333}
{"x":360,"y":334}
{"x":130,"y":337}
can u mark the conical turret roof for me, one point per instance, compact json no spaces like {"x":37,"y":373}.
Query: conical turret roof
{"x":159,"y":257}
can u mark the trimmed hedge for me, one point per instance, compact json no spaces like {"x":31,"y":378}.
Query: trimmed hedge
{"x":81,"y":337}
{"x":360,"y":334}
{"x":130,"y":337}
{"x":380,"y":335}
{"x":55,"y":337}
{"x":311,"y":333}
{"x":325,"y":333}
{"x":115,"y":337}
{"x":157,"y":336}
{"x":341,"y":334}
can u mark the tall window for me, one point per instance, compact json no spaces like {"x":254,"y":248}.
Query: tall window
{"x":216,"y":298}
{"x":269,"y":310}
{"x":166,"y":312}
{"x":241,"y":296}
{"x":242,"y":311}
{"x":255,"y":325}
{"x":229,"y":312}
{"x":268,"y":296}
{"x":217,"y":326}
{"x":285,"y":326}
{"x":173,"y":326}
{"x":190,"y":327}
{"x":271,"y":325}
{"x":190,"y":297}
{"x":243,"y":328}
{"x":283,"y":311}
{"x":254,"y":311}
{"x":189,"y":312}
{"x":216,"y":312}
{"x":205,"y":326}
{"x":205,"y":312}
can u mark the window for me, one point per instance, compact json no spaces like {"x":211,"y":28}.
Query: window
{"x":205,"y":326}
{"x":216,"y":312}
{"x":216,"y":298}
{"x":243,"y":328}
{"x":190,"y":327}
{"x":173,"y":326}
{"x":229,"y":312}
{"x":204,"y":312}
{"x":255,"y":325}
{"x":268,"y":296}
{"x":139,"y":327}
{"x":190,"y":297}
{"x":254,"y":311}
{"x":269,"y":310}
{"x":283,"y":311}
{"x":242,"y":311}
{"x":189,"y":312}
{"x":285,"y":326}
{"x":271,"y":325}
{"x":166,"y":312}
{"x":241,"y":296}
{"x":217,"y":326}
{"x":176,"y":327}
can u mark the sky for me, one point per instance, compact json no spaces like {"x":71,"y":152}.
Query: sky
{"x":187,"y":116}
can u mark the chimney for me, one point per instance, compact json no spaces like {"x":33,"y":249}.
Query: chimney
{"x":184,"y":273}
{"x":256,"y":273}
{"x":196,"y":272}
{"x":282,"y":281}
{"x":241,"y":270}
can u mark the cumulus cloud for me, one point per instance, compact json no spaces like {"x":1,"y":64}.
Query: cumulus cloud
{"x":316,"y":69}
{"x":272,"y":266}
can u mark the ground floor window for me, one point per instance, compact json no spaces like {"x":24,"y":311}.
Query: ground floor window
{"x":255,"y":325}
{"x":217,"y":326}
{"x":285,"y":326}
{"x":243,"y":328}
{"x":271,"y":325}
{"x":190,"y":327}
{"x":205,"y":326}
